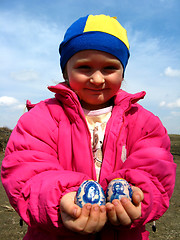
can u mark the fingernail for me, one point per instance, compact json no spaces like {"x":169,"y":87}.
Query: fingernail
{"x":75,"y":212}
{"x":96,"y":208}
{"x":103,"y":209}
{"x":88,"y":207}
{"x":124,"y":200}
{"x":111,"y":208}
{"x":138,"y":198}
{"x":116,"y":203}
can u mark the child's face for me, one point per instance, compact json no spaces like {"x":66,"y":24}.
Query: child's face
{"x":95,"y":76}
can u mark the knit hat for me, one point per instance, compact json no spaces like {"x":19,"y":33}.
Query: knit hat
{"x":95,"y":32}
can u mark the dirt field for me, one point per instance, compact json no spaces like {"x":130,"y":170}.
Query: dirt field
{"x":168,"y":227}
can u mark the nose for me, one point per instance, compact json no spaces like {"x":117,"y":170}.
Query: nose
{"x":97,"y":78}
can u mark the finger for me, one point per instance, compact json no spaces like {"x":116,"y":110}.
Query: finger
{"x":111,"y":214}
{"x":137,"y":196}
{"x":86,"y":210}
{"x":79,"y":224}
{"x":132,"y":212}
{"x":68,"y":206}
{"x":93,"y":220}
{"x":72,"y":210}
{"x":102,"y":218}
{"x":122,"y":216}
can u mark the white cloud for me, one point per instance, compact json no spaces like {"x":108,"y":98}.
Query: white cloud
{"x":7,"y":101}
{"x":20,"y":107}
{"x":25,"y":76}
{"x":172,"y":72}
{"x":12,"y":102}
{"x":176,"y":114}
{"x":162,"y":104}
{"x":175,"y":104}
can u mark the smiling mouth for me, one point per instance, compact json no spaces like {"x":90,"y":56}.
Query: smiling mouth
{"x":96,"y":89}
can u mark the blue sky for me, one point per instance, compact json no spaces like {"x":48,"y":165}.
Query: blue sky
{"x":31,"y":31}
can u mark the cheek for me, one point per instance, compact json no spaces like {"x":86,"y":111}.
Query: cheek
{"x":75,"y":85}
{"x":77,"y":81}
{"x":74,"y":81}
{"x":116,"y":85}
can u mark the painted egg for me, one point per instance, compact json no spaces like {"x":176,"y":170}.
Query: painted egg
{"x":117,"y":189}
{"x":90,"y":192}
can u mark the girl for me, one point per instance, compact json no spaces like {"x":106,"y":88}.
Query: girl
{"x":90,"y":130}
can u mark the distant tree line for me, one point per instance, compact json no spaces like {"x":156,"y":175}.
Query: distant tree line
{"x":4,"y":136}
{"x":6,"y":132}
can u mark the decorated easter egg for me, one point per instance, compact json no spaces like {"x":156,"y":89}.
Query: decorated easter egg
{"x":90,"y":192}
{"x":117,"y":189}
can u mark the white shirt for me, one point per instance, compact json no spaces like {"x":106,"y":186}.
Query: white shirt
{"x":97,"y":120}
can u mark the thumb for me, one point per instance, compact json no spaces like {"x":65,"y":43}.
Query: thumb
{"x":138,"y":195}
{"x":68,"y":206}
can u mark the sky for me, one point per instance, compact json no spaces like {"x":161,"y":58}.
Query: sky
{"x":31,"y":31}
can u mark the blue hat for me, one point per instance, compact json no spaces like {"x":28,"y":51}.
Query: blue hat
{"x":99,"y":32}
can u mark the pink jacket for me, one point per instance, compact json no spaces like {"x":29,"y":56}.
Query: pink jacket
{"x":49,"y":154}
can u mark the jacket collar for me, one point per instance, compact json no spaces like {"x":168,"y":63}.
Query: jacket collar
{"x":125,"y":99}
{"x":69,"y":99}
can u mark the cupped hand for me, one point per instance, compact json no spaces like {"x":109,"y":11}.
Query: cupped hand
{"x":89,"y":219}
{"x":124,"y":212}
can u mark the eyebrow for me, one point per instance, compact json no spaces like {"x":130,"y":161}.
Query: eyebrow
{"x":109,"y":61}
{"x":82,"y":60}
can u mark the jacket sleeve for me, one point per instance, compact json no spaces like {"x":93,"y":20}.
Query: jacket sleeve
{"x":32,"y":175}
{"x":149,"y":165}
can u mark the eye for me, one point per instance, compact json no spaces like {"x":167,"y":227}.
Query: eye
{"x":110,"y":67}
{"x":83,"y":67}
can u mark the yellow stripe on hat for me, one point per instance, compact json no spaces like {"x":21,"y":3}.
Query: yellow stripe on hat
{"x":106,"y":24}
